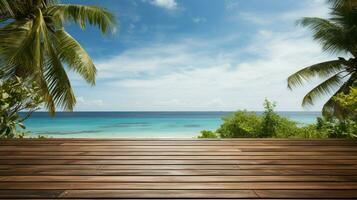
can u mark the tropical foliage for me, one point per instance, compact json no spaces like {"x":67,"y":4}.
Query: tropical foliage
{"x":35,"y":46}
{"x":269,"y":124}
{"x":346,"y":126}
{"x":16,"y":95}
{"x":348,"y":102}
{"x":207,"y":134}
{"x":242,"y":124}
{"x":337,"y":35}
{"x":337,"y":128}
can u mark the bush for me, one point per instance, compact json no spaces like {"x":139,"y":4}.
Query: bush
{"x":244,"y":124}
{"x":16,"y":96}
{"x":207,"y":134}
{"x":337,"y":128}
{"x":285,"y":128}
{"x":274,"y":125}
{"x":344,"y":123}
{"x":241,"y":124}
{"x":348,"y":103}
{"x":310,"y":131}
{"x":270,"y":120}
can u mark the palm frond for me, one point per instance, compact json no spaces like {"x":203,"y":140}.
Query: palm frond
{"x":5,"y":9}
{"x":82,"y":15}
{"x":341,"y":3}
{"x":16,"y":9}
{"x":324,"y":88}
{"x":12,"y":37}
{"x":323,"y":70}
{"x":336,"y":3}
{"x":46,"y":95}
{"x":76,"y":58}
{"x":39,"y":73}
{"x":345,"y":14}
{"x":25,"y":59}
{"x":58,"y":83}
{"x":333,"y":38}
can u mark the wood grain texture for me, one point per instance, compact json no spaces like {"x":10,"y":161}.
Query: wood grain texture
{"x":178,"y":169}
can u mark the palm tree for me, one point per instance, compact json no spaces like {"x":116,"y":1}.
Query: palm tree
{"x":35,"y":46}
{"x":337,"y":35}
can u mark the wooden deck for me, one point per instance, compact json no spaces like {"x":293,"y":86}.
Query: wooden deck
{"x":164,"y":169}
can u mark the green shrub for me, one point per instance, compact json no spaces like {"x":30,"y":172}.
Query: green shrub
{"x":285,"y":128}
{"x":348,"y":103}
{"x":242,"y":124}
{"x":344,"y":123}
{"x":337,"y":128}
{"x":310,"y":131}
{"x":207,"y":134}
{"x":270,"y":120}
{"x":274,"y":125}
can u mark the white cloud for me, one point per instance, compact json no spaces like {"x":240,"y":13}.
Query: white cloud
{"x":210,"y":74}
{"x":166,"y":4}
{"x":161,"y":58}
{"x":197,"y":75}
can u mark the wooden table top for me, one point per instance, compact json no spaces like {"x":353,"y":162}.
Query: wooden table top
{"x":180,"y":169}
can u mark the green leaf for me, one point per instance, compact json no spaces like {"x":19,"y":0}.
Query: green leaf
{"x":81,"y":15}
{"x":76,"y":58}
{"x":322,"y":70}
{"x":324,"y":88}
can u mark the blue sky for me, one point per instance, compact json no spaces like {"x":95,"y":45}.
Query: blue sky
{"x":176,"y":55}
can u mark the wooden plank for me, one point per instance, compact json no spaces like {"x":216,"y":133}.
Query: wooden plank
{"x":28,"y":194}
{"x":172,"y":153}
{"x":186,"y":157}
{"x":307,"y":193}
{"x":124,"y":167}
{"x":187,"y":166}
{"x":175,"y":162}
{"x":178,"y":186}
{"x":159,"y":194}
{"x":178,"y":179}
{"x":301,"y":166}
{"x":127,"y":167}
{"x":260,"y":172}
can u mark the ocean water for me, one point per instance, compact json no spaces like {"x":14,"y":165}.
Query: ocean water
{"x":135,"y":124}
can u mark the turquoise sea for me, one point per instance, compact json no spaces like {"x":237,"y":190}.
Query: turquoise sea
{"x":135,"y":124}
